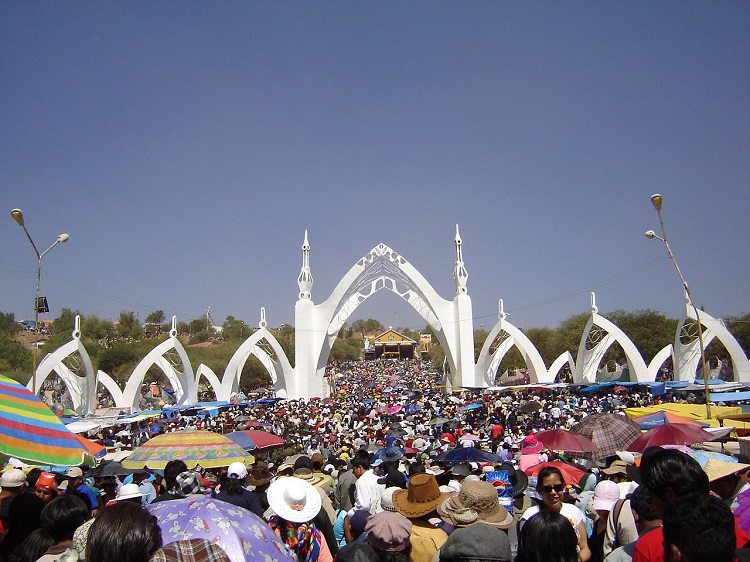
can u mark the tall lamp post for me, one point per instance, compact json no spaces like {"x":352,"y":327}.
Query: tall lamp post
{"x":656,"y":201}
{"x":40,"y":303}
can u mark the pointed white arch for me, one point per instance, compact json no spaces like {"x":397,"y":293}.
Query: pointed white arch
{"x":687,"y":355}
{"x":317,"y":326}
{"x":183,"y":382}
{"x":487,"y":364}
{"x":82,"y":390}
{"x":557,"y":364}
{"x":658,"y":360}
{"x":278,"y":369}
{"x":588,"y":360}
{"x":114,"y":389}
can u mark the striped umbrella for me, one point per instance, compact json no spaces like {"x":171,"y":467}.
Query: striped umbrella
{"x":204,"y":448}
{"x":256,"y":440}
{"x":31,"y":432}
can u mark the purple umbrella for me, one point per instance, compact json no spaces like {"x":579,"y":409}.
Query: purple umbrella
{"x":244,"y":536}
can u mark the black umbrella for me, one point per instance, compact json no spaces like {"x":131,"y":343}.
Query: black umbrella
{"x":531,"y":407}
{"x":111,"y":468}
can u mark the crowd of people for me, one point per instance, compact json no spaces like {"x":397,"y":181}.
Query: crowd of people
{"x":367,"y":476}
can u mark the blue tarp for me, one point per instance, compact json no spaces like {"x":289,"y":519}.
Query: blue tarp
{"x":657,"y":388}
{"x":729,"y":396}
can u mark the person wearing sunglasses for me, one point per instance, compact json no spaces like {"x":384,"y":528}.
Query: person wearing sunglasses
{"x":550,"y":490}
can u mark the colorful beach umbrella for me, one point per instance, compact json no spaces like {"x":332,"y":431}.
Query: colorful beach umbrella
{"x":92,"y":447}
{"x":196,"y":448}
{"x":31,"y":432}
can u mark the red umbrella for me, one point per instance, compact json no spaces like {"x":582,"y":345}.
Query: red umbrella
{"x":563,"y":440}
{"x":261,"y":439}
{"x":571,"y":474}
{"x":670,"y":434}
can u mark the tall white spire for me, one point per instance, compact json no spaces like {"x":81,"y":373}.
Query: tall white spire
{"x":460,"y":275}
{"x":305,"y":279}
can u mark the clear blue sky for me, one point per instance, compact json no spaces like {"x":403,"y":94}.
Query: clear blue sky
{"x":185,"y":146}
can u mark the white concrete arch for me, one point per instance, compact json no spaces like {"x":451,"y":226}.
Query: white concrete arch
{"x":588,"y":360}
{"x":317,"y":326}
{"x":487,"y":364}
{"x":658,"y":360}
{"x":279,"y":369}
{"x":82,"y":389}
{"x":210,"y":376}
{"x":557,"y":364}
{"x":114,"y":389}
{"x":183,"y":382}
{"x":687,"y":355}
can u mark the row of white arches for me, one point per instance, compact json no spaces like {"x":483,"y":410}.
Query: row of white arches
{"x":317,"y":326}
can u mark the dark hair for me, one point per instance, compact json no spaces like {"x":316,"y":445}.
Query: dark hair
{"x":547,"y":537}
{"x":361,"y":461}
{"x":63,"y":515}
{"x":171,"y":470}
{"x":665,"y":469}
{"x":417,"y":468}
{"x":701,"y":526}
{"x":546,"y":472}
{"x":232,"y":486}
{"x":640,"y":502}
{"x":123,"y":532}
{"x":24,"y":517}
{"x":33,"y":548}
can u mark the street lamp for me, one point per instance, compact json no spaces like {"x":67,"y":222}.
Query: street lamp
{"x":656,"y":201}
{"x":40,"y":303}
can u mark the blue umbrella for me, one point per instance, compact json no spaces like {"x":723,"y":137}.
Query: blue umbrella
{"x":472,"y":406}
{"x":411,"y":408}
{"x":468,"y":454}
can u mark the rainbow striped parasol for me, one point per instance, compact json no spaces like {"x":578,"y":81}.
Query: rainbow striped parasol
{"x":204,"y":448}
{"x":31,"y":432}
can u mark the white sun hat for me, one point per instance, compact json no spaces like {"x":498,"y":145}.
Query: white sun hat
{"x":128,"y":491}
{"x":294,"y":499}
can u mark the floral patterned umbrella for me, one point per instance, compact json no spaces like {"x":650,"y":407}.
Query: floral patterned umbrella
{"x":244,"y":536}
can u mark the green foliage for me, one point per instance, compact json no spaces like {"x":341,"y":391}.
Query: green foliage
{"x":649,"y":330}
{"x":65,"y":323}
{"x":129,"y":327}
{"x":346,"y":349}
{"x":436,"y":355}
{"x":119,"y":361}
{"x":369,"y":325}
{"x":96,"y":328}
{"x":739,"y":327}
{"x":155,"y":317}
{"x":8,"y":325}
{"x":14,"y":357}
{"x":480,"y":336}
{"x":235,"y":329}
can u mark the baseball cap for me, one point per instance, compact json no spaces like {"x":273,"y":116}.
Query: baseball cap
{"x":237,"y":470}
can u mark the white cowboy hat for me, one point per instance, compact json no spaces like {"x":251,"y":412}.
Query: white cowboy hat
{"x":294,"y":499}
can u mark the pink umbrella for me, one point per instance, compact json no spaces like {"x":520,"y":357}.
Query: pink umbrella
{"x":563,"y":440}
{"x":394,"y":409}
{"x":670,"y":434}
{"x":381,"y":409}
{"x":469,"y":437}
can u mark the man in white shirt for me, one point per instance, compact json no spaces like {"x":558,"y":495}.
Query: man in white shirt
{"x":366,"y":490}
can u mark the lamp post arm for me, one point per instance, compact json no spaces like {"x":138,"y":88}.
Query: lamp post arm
{"x":704,"y":366}
{"x":38,"y":255}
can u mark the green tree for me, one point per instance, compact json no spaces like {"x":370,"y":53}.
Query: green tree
{"x":97,"y":328}
{"x":65,"y":322}
{"x":649,"y":330}
{"x":234,"y":329}
{"x":348,"y":349}
{"x":156,"y":317}
{"x":129,"y":328}
{"x":8,"y":325}
{"x":739,"y":327}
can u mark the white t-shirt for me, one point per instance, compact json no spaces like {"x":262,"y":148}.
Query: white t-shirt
{"x":568,"y":510}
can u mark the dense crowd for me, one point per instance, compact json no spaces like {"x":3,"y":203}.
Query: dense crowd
{"x":390,"y":468}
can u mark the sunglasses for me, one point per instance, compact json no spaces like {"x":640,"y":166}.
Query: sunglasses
{"x":548,"y":489}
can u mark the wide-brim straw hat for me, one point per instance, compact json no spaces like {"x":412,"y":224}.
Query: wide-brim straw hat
{"x":716,"y":469}
{"x":476,"y":502}
{"x":294,"y":499}
{"x":307,"y":475}
{"x":421,"y":497}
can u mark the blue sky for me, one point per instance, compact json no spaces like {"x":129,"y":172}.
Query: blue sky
{"x":186,"y":146}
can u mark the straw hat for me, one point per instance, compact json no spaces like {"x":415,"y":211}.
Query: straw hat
{"x":294,"y":499}
{"x":716,"y":469}
{"x":307,"y":475}
{"x":421,"y":497}
{"x":259,"y":475}
{"x":475,"y":502}
{"x":385,"y":501}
